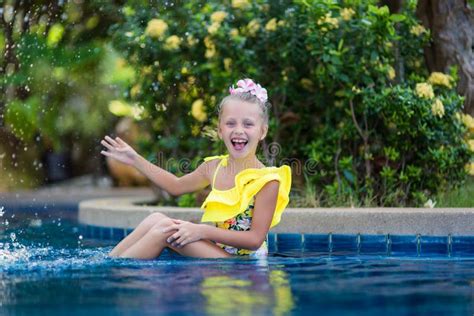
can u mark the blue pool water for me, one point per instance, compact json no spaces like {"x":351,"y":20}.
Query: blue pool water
{"x":48,"y":267}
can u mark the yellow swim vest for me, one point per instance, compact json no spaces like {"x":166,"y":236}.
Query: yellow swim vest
{"x":221,"y":205}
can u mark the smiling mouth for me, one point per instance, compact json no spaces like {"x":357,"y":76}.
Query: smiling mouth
{"x":238,"y":144}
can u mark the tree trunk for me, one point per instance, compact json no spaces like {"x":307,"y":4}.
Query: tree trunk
{"x":452,"y":27}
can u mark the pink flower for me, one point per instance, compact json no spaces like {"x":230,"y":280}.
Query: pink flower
{"x":247,"y":85}
{"x":260,"y":93}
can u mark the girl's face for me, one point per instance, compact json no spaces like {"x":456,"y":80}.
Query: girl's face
{"x":241,"y":127}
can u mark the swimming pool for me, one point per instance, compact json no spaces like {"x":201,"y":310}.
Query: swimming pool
{"x":49,"y":265}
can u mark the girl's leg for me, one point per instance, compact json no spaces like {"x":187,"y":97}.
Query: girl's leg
{"x":137,"y":234}
{"x":202,"y":249}
{"x":154,"y":241}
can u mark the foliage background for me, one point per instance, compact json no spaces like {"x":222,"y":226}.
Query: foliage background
{"x":348,"y":113}
{"x":342,"y":80}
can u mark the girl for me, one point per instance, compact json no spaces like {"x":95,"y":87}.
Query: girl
{"x":246,"y":200}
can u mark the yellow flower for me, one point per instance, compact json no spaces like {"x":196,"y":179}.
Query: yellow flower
{"x":240,"y":4}
{"x":156,"y":28}
{"x":227,"y":63}
{"x":417,"y":30}
{"x":306,"y":83}
{"x":347,"y":13}
{"x":471,"y":144}
{"x":332,"y":23}
{"x":184,"y":70}
{"x":468,"y":121}
{"x":424,"y":90}
{"x":138,"y":111}
{"x":218,"y":16}
{"x":440,"y":79}
{"x":470,"y":168}
{"x":281,"y":23}
{"x":198,"y":110}
{"x":210,"y":47}
{"x":356,"y":90}
{"x":192,"y":40}
{"x":172,"y":42}
{"x":210,"y":132}
{"x":120,"y":108}
{"x":135,"y":90}
{"x":191,"y":80}
{"x":160,"y":77}
{"x":437,"y":108}
{"x":234,"y":33}
{"x":253,"y":27}
{"x":210,"y":52}
{"x":391,"y":73}
{"x":213,"y":28}
{"x":146,"y":70}
{"x":195,"y":130}
{"x":271,"y":25}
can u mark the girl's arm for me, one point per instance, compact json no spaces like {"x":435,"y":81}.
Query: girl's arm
{"x":265,"y":203}
{"x":190,"y":182}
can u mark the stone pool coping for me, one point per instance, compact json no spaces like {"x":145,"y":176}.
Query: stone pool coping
{"x":124,"y":212}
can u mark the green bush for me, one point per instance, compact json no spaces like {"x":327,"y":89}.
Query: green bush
{"x":59,"y":102}
{"x":342,"y":79}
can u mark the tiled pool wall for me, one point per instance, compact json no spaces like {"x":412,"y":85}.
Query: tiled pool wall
{"x":379,"y":244}
{"x":388,"y":245}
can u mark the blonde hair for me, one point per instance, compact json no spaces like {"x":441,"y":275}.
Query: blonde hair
{"x":249,"y":98}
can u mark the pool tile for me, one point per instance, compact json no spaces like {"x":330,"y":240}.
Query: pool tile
{"x":316,"y":242}
{"x":403,"y":245}
{"x":344,"y":243}
{"x":430,"y":245}
{"x":95,"y":232}
{"x":289,"y":242}
{"x":462,"y":246}
{"x":362,"y":244}
{"x":373,"y":244}
{"x":118,"y":233}
{"x":83,"y":230}
{"x":106,"y":233}
{"x":271,"y":242}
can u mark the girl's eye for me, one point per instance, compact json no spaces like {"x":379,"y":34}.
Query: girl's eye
{"x":249,"y":124}
{"x":230,"y":124}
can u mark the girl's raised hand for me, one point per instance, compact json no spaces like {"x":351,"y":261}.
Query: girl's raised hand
{"x":118,"y":149}
{"x":187,"y":233}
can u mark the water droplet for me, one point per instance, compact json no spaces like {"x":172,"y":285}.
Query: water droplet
{"x":1,"y":211}
{"x":36,"y":222}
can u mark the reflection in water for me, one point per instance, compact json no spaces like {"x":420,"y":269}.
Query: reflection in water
{"x":248,"y":294}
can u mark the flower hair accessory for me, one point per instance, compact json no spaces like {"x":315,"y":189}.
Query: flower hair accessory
{"x":247,"y":85}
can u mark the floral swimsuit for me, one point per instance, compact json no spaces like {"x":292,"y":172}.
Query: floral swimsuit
{"x":242,"y":222}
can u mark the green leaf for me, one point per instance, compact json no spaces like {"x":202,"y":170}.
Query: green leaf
{"x":398,"y":17}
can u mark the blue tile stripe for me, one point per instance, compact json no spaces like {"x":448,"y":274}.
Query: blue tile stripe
{"x":388,"y":245}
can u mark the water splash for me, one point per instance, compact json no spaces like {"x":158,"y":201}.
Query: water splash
{"x":12,"y":251}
